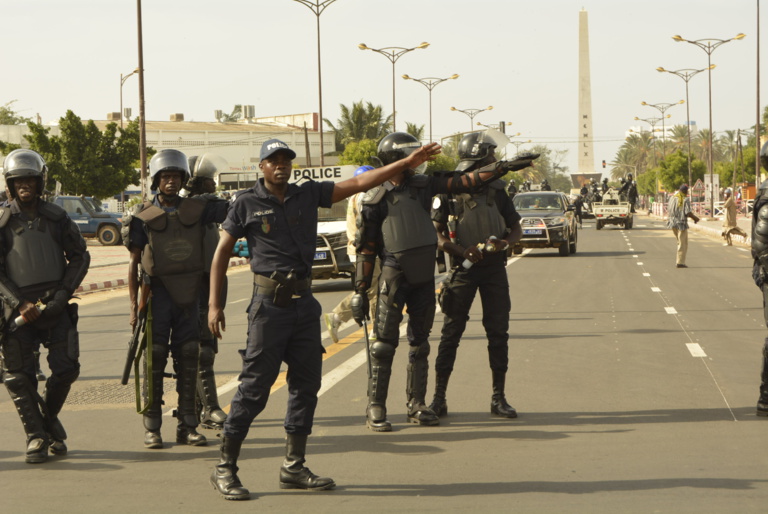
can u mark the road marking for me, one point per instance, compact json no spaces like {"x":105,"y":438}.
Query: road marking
{"x":646,"y":274}
{"x":240,"y":300}
{"x":655,"y":289}
{"x":335,"y":376}
{"x":696,"y":350}
{"x":670,"y":310}
{"x":639,"y":263}
{"x":632,"y":250}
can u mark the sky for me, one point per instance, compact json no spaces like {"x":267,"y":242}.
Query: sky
{"x":521,"y":57}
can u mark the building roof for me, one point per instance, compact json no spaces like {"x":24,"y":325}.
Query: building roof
{"x":206,"y":126}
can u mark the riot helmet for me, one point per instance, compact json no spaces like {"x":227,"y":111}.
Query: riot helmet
{"x":23,"y":163}
{"x":764,"y":156}
{"x":396,"y":146}
{"x":629,"y":177}
{"x":475,"y":148}
{"x":605,"y":180}
{"x":362,"y":169}
{"x":168,"y":160}
{"x":208,"y":165}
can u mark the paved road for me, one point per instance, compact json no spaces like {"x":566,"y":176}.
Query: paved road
{"x":635,"y":382}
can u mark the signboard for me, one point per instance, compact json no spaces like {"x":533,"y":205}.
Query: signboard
{"x":333,"y":173}
{"x":708,"y":187}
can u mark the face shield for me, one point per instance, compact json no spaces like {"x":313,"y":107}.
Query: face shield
{"x":208,"y":165}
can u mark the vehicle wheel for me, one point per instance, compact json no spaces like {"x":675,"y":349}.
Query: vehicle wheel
{"x":565,"y":249}
{"x":572,"y":244}
{"x":628,"y":224}
{"x":108,"y":235}
{"x":598,"y":225}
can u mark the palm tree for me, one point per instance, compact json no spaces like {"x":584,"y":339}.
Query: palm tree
{"x":679,"y":138}
{"x":416,"y":131}
{"x":360,"y":122}
{"x":624,"y":162}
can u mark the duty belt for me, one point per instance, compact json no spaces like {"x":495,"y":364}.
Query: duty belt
{"x":268,"y":286}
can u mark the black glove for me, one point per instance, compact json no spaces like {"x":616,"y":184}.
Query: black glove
{"x":57,"y":304}
{"x":360,"y":307}
{"x":520,"y":162}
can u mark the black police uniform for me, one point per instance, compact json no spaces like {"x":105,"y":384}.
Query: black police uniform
{"x":281,"y":238}
{"x":478,"y":216}
{"x":46,"y":259}
{"x":174,"y":304}
{"x":760,"y":270}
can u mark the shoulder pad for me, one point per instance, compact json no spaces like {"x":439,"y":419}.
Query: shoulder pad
{"x":5,"y":215}
{"x":373,"y":196}
{"x":191,"y":209}
{"x":153,"y":216}
{"x":51,"y":211}
{"x":420,"y":180}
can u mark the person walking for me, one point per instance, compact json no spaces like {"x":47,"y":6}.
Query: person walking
{"x":730,"y":226}
{"x":678,"y":212}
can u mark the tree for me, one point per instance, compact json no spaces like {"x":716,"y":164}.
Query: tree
{"x":415,"y":130}
{"x":10,"y":117}
{"x":85,"y":160}
{"x":359,"y":153}
{"x":360,"y":122}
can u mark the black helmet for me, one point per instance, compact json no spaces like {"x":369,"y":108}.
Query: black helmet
{"x":764,"y":156}
{"x":396,"y":146}
{"x":474,"y":148}
{"x":605,"y":180}
{"x":24,"y":163}
{"x":168,"y":160}
{"x":629,"y":177}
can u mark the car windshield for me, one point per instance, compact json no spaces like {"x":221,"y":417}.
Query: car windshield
{"x":537,"y":202}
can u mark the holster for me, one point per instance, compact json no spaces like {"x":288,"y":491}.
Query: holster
{"x":284,"y":289}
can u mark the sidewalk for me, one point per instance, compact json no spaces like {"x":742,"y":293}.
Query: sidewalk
{"x":109,"y":267}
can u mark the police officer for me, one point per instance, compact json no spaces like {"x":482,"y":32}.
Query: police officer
{"x":545,"y":185}
{"x":165,"y":238}
{"x":279,"y":221}
{"x":204,"y":169}
{"x":629,"y":191}
{"x":479,"y":216}
{"x":512,"y":188}
{"x":395,"y":225}
{"x":760,"y":270}
{"x":43,"y":261}
{"x":604,"y":185}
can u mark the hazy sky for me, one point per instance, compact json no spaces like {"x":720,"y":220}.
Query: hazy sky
{"x":521,"y":57}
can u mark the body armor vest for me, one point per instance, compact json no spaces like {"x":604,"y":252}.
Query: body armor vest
{"x":478,"y":218}
{"x":35,"y":257}
{"x":760,"y":231}
{"x":175,"y":250}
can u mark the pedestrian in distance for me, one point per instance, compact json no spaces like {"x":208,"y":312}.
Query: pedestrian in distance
{"x":343,"y":311}
{"x":395,"y":227}
{"x":476,"y":229}
{"x":678,"y":212}
{"x":279,"y":221}
{"x":730,"y":226}
{"x":165,"y":238}
{"x":43,"y":260}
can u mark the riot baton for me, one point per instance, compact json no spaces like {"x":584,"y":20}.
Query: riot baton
{"x":367,"y":348}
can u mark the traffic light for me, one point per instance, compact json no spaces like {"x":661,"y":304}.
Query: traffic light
{"x":603,"y":163}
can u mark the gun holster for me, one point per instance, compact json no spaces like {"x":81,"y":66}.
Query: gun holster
{"x":286,"y":285}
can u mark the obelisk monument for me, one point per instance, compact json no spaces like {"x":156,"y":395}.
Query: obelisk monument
{"x":586,"y":150}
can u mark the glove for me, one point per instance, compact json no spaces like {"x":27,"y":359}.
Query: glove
{"x":520,"y":162}
{"x":360,"y":307}
{"x":57,"y":304}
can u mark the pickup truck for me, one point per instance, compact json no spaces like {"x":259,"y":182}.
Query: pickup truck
{"x":612,"y":210}
{"x":92,"y":223}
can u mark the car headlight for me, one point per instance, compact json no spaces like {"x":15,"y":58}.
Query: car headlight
{"x":552,"y":222}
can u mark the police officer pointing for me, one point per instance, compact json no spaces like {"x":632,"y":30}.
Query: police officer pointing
{"x":279,"y":221}
{"x":43,"y":261}
{"x":485,"y":217}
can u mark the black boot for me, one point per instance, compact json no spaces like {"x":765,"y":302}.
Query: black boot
{"x":378,"y":387}
{"x":416,"y":389}
{"x":293,"y":474}
{"x":439,"y":405}
{"x":186,"y":384}
{"x":224,"y":477}
{"x":499,"y":405}
{"x":24,"y":399}
{"x":55,"y":395}
{"x":153,"y":419}
{"x":210,"y":413}
{"x":762,"y":402}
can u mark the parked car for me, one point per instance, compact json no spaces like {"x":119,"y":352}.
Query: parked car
{"x":103,"y":225}
{"x":548,"y":222}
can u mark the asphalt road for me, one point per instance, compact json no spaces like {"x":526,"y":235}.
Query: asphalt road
{"x":635,"y":381}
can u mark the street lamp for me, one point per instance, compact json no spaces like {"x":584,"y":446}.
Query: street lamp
{"x":430,"y":83}
{"x":499,"y":126}
{"x":123,"y":78}
{"x":709,"y":46}
{"x":317,"y":7}
{"x":472,"y":113}
{"x":393,"y":53}
{"x":686,"y":74}
{"x":662,"y":108}
{"x":652,"y":122}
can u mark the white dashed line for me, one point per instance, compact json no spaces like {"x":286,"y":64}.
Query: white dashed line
{"x":655,"y":290}
{"x":696,"y":350}
{"x":670,"y":310}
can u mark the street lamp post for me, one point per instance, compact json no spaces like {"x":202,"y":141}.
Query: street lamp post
{"x":122,"y":81}
{"x":317,"y":7}
{"x":393,"y":53}
{"x":662,"y":108}
{"x":472,"y":113}
{"x":709,"y":46}
{"x":686,"y":74}
{"x":652,"y":122}
{"x":430,"y":83}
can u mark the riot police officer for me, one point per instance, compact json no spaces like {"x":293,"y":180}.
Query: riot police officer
{"x":629,"y":190}
{"x":395,"y":225}
{"x":165,"y":237}
{"x":512,"y":188}
{"x":545,"y":185}
{"x":43,"y":261}
{"x":479,"y":216}
{"x":760,"y":270}
{"x":279,"y":221}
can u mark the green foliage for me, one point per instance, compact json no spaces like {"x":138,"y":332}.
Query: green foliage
{"x":85,"y":160}
{"x":442,"y":162}
{"x":416,"y":131}
{"x":10,"y":117}
{"x":673,"y":171}
{"x":646,"y":183}
{"x":359,"y":153}
{"x":360,"y":122}
{"x":6,"y":148}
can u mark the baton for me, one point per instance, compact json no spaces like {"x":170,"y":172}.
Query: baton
{"x":367,"y":348}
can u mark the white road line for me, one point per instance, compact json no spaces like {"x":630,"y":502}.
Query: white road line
{"x":670,"y":310}
{"x":340,"y":372}
{"x":655,"y":290}
{"x":639,"y":263}
{"x":646,"y":274}
{"x":238,"y":301}
{"x":696,"y":350}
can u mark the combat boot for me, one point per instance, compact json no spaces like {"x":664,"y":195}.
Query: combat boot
{"x":55,"y":395}
{"x":439,"y":405}
{"x":499,"y":405}
{"x":416,"y":388}
{"x":378,"y":389}
{"x":762,"y":402}
{"x":224,"y":477}
{"x":23,"y":395}
{"x":293,"y":474}
{"x":186,"y":384}
{"x":37,"y":450}
{"x":210,"y":413}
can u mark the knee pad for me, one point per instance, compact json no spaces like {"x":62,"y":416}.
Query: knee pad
{"x":382,"y":351}
{"x":65,"y":379}
{"x":207,"y":356}
{"x":190,"y":351}
{"x":17,"y":384}
{"x":419,"y":352}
